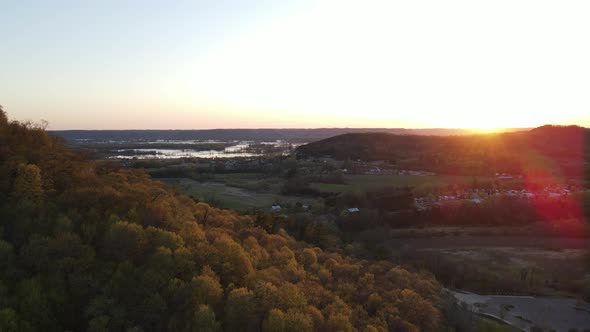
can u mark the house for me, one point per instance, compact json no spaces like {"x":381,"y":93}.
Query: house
{"x":420,"y":204}
{"x":275,"y":208}
{"x":353,"y":210}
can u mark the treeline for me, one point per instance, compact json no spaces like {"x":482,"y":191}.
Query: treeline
{"x":204,"y":169}
{"x":86,"y":246}
{"x":565,"y":216}
{"x":381,"y":211}
{"x":507,"y":210}
{"x":560,"y":150}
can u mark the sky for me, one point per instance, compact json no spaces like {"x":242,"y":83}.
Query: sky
{"x":295,"y":64}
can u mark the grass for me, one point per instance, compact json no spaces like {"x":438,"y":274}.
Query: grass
{"x":487,"y":324}
{"x":363,"y":183}
{"x":548,"y":272}
{"x":250,"y":181}
{"x":246,"y":190}
{"x":232,"y":197}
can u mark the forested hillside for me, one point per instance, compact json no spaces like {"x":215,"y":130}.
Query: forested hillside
{"x":560,"y":149}
{"x":85,"y":245}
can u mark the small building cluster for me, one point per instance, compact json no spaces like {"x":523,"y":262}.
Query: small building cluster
{"x":478,"y":196}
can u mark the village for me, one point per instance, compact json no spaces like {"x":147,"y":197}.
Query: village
{"x":478,"y":196}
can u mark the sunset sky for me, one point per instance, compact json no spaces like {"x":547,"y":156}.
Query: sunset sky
{"x":251,"y":64}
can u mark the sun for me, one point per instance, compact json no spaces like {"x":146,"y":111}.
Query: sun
{"x":487,"y":130}
{"x":471,"y":122}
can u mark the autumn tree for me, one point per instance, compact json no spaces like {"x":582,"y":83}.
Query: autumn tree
{"x":240,"y":310}
{"x":275,"y":322}
{"x":88,"y":246}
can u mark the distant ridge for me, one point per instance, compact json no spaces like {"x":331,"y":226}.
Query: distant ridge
{"x":565,"y":148}
{"x":302,"y":135}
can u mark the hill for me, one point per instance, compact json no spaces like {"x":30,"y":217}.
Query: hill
{"x":86,"y":246}
{"x":555,"y":149}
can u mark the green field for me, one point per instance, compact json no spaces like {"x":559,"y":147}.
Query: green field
{"x":247,"y":190}
{"x":250,"y":181}
{"x":362,"y":183}
{"x":232,"y":197}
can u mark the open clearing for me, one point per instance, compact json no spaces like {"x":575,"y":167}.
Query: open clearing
{"x":507,"y":265}
{"x":362,"y":183}
{"x":231,"y":197}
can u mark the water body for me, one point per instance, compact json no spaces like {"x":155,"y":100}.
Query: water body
{"x":176,"y":154}
{"x":240,"y":149}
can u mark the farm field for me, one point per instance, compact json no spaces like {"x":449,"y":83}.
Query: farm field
{"x":362,"y":183}
{"x":250,"y":181}
{"x":505,"y":265}
{"x":233,"y":197}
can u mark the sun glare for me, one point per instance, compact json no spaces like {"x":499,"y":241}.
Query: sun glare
{"x":490,"y":130}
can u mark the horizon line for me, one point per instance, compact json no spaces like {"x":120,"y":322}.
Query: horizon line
{"x":314,"y":128}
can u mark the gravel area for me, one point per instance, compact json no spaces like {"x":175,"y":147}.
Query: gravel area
{"x":559,"y":314}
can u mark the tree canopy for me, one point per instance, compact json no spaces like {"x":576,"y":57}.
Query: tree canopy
{"x":87,"y":245}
